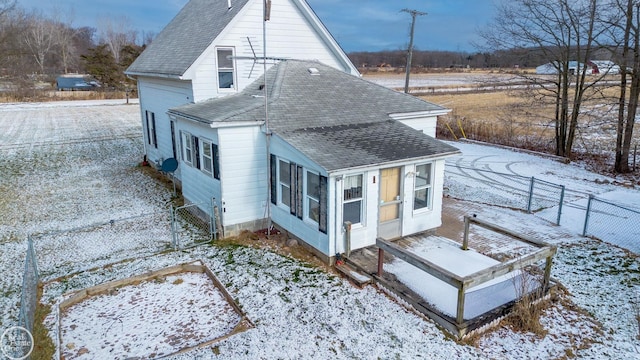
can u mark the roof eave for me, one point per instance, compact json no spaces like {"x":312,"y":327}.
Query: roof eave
{"x":155,"y":75}
{"x":340,"y":171}
{"x":213,"y":124}
{"x":419,"y":114}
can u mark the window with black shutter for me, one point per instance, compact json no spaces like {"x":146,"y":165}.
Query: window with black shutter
{"x":299,"y":192}
{"x":274,"y":179}
{"x":322,"y":223}
{"x":216,"y":161}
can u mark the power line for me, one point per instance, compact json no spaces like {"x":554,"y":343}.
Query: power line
{"x":414,"y":14}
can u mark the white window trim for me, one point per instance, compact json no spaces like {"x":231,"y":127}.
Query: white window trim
{"x":305,"y":205}
{"x":362,"y":222}
{"x":233,"y":69}
{"x":186,"y":147}
{"x":280,"y":184}
{"x":429,"y":186}
{"x":203,"y":158}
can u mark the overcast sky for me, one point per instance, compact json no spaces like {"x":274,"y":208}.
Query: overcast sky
{"x":358,"y":25}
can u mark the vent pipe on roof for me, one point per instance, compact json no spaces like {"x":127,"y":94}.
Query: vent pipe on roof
{"x":229,"y":4}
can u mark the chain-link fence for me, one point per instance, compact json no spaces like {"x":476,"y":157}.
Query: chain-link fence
{"x":501,"y":189}
{"x":193,"y":223}
{"x":29,"y":297}
{"x":68,"y":251}
{"x":613,"y":223}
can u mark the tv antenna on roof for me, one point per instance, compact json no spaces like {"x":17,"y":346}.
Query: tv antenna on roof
{"x":256,"y":59}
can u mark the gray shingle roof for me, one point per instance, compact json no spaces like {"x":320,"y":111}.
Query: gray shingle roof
{"x":338,"y":120}
{"x":185,"y":38}
{"x":356,"y":145}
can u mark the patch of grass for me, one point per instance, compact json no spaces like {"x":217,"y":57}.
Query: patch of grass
{"x":526,"y":313}
{"x":43,"y":347}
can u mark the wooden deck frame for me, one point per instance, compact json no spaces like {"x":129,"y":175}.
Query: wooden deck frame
{"x":197,"y":266}
{"x":462,"y":283}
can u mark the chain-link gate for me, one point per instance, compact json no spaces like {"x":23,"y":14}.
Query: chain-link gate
{"x":193,"y":223}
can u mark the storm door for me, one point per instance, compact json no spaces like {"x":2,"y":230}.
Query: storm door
{"x":390,"y":208}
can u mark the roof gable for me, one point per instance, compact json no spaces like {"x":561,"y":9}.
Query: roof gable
{"x":196,"y":27}
{"x":185,"y":38}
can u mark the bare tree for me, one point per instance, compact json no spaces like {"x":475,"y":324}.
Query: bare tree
{"x":564,"y":32}
{"x":39,"y":38}
{"x":6,"y":6}
{"x":625,"y":19}
{"x":64,"y":35}
{"x":116,"y":33}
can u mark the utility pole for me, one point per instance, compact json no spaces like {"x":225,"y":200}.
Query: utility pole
{"x":413,"y":13}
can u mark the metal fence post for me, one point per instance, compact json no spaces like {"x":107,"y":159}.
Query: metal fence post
{"x":586,"y":218}
{"x":533,"y":180}
{"x":562,"y":187}
{"x":211,"y":220}
{"x":214,"y":225}
{"x":174,"y":240}
{"x":32,"y":251}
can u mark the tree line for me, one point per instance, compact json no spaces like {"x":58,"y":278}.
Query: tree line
{"x":38,"y":46}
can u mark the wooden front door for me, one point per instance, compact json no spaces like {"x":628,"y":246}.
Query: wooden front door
{"x":390,"y":220}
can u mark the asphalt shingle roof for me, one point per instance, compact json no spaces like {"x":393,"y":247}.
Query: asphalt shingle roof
{"x":338,"y":120}
{"x":185,"y":38}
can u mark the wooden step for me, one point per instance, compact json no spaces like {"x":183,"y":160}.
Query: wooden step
{"x":359,"y":278}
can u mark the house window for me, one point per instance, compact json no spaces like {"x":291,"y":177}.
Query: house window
{"x":352,"y":201}
{"x":422,"y":189}
{"x":285,"y":183}
{"x":206,"y":157}
{"x":313,"y":196}
{"x":225,"y":69}
{"x":152,"y":138}
{"x":209,"y":158}
{"x":187,"y":147}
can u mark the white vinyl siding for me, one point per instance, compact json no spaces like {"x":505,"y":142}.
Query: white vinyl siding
{"x":289,"y":36}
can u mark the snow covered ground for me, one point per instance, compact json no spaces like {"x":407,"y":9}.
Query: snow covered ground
{"x":71,"y":166}
{"x":133,"y":321}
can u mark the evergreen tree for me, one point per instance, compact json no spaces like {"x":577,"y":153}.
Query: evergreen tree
{"x":100,"y":64}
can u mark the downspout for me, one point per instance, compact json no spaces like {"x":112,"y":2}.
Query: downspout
{"x":337,"y":224}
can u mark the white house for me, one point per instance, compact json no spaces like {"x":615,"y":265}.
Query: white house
{"x":211,"y":49}
{"x":554,"y":68}
{"x":324,"y":149}
{"x":605,"y":67}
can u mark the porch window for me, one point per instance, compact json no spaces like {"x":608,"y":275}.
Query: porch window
{"x":313,"y":196}
{"x":422,"y":189}
{"x":225,"y":68}
{"x":284,"y":180}
{"x":352,"y":199}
